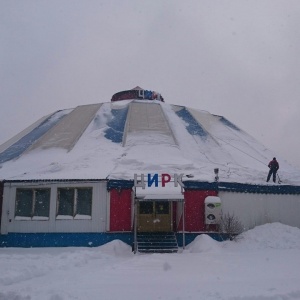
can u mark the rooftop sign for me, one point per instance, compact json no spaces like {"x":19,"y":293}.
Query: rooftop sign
{"x":157,"y":180}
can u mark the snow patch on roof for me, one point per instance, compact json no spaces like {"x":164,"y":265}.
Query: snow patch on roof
{"x":151,"y":138}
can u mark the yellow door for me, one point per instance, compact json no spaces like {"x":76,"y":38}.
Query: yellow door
{"x":154,"y":216}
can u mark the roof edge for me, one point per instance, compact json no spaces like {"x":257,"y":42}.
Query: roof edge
{"x":242,"y":187}
{"x":188,"y":185}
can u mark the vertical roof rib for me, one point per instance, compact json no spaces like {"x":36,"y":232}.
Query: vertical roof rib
{"x":67,"y":132}
{"x":143,"y":120}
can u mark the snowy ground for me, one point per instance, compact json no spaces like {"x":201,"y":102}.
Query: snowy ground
{"x":264,"y":264}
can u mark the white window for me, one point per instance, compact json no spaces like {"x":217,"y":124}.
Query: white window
{"x":74,"y":203}
{"x":32,"y":204}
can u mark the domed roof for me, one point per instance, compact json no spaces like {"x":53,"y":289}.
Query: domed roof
{"x":115,"y":140}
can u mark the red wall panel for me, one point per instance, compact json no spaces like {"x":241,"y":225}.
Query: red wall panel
{"x":194,"y":210}
{"x":1,"y":199}
{"x":120,"y":210}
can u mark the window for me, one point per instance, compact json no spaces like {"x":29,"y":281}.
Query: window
{"x":74,"y":203}
{"x":32,"y":204}
{"x":146,"y":208}
{"x":162,"y":208}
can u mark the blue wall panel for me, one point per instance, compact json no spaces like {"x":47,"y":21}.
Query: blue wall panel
{"x":26,"y":141}
{"x":193,"y":127}
{"x":229,"y":124}
{"x":28,"y":240}
{"x":116,"y":125}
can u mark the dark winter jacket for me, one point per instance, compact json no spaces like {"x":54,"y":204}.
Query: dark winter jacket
{"x":273,"y":165}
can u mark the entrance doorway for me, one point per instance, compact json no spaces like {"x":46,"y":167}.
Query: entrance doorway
{"x":155,"y":216}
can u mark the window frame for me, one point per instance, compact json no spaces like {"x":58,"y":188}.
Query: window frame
{"x":75,"y":215}
{"x":33,"y":216}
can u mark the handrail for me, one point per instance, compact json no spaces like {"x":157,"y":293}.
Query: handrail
{"x":135,"y":245}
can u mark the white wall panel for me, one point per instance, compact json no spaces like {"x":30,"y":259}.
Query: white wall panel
{"x":96,"y":224}
{"x":257,"y":209}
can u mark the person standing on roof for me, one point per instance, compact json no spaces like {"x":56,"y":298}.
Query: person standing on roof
{"x":274,"y":166}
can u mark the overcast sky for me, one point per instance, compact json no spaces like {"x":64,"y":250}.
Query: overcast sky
{"x":239,"y":59}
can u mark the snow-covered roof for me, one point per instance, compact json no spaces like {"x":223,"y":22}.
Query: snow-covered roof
{"x":118,"y":139}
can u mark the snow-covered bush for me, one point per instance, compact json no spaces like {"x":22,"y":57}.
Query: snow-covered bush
{"x":231,"y":225}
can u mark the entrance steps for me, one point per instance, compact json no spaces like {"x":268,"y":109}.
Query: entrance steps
{"x":157,"y":242}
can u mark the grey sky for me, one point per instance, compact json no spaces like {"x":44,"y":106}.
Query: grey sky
{"x":237,"y":58}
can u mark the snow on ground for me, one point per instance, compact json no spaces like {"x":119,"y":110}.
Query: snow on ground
{"x":263,"y":265}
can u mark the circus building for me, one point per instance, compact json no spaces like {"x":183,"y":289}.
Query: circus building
{"x":137,"y":169}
